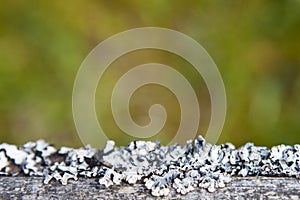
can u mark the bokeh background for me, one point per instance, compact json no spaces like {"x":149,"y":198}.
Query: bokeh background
{"x":255,"y":44}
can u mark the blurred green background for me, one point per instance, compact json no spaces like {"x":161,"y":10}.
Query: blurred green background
{"x":256,"y":46}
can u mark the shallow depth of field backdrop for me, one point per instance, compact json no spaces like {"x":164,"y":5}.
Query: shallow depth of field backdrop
{"x":256,"y":46}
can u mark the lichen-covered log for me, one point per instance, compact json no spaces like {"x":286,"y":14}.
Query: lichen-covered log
{"x":240,"y":188}
{"x":159,"y":170}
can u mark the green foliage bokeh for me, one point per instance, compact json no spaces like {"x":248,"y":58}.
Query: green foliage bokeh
{"x":255,"y":45}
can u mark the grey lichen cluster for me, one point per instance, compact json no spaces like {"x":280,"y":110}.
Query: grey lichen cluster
{"x":162,"y":169}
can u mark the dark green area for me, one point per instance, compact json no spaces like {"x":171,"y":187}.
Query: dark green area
{"x":255,"y":45}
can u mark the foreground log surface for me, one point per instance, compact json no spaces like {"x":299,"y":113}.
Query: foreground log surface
{"x":240,"y":188}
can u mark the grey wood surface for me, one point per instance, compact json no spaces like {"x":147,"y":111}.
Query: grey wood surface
{"x":240,"y":188}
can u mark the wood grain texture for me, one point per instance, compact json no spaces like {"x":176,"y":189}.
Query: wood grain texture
{"x":240,"y":188}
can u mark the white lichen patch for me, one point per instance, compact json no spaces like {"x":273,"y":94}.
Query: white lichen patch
{"x":161,"y":169}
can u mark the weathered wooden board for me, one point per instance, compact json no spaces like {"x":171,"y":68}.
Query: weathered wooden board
{"x":240,"y":188}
